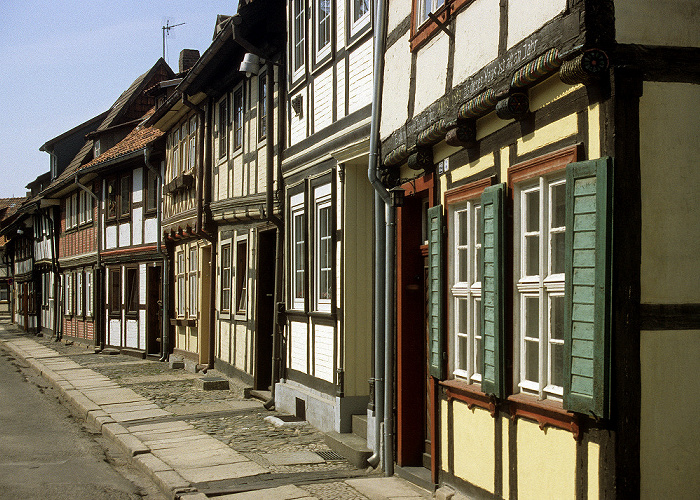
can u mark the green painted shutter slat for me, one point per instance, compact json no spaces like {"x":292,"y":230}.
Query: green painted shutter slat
{"x":588,"y":287}
{"x":492,"y":267}
{"x":435,"y":303}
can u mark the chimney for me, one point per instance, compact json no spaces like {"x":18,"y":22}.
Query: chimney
{"x":188,"y":57}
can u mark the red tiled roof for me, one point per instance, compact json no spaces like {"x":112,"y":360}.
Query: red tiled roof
{"x":137,"y":139}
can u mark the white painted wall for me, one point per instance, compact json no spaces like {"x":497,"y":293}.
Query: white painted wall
{"x":527,"y":16}
{"x":137,"y":225}
{"x":361,"y":76}
{"x":150,"y":229}
{"x":298,"y":346}
{"x":323,"y":100}
{"x":398,"y":11}
{"x":124,"y":234}
{"x":298,"y":123}
{"x":323,"y":352}
{"x":431,"y":72}
{"x":473,"y":52}
{"x":396,"y":85}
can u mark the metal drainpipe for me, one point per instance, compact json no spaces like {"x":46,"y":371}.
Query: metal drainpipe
{"x":269,"y":208}
{"x":165,"y":330}
{"x":384,"y":253}
{"x":54,"y":270}
{"x":99,"y":330}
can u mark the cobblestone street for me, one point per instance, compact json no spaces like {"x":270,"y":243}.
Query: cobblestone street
{"x":225,"y":415}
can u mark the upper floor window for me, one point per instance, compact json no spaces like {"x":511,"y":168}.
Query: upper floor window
{"x":192,"y":143}
{"x":85,"y":209}
{"x":298,"y":33}
{"x":152,"y":182}
{"x":98,"y":149}
{"x":323,"y":26}
{"x":176,"y":153}
{"x":223,"y":130}
{"x":118,"y":197}
{"x":238,"y":117}
{"x":262,"y":105}
{"x":425,"y":7}
{"x":360,"y":12}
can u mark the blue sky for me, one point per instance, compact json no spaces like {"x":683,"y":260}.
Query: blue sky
{"x":64,"y":62}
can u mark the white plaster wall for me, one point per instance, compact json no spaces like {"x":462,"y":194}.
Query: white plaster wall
{"x":137,"y":225}
{"x":298,"y":346}
{"x":115,"y":332}
{"x":340,"y":24}
{"x":124,"y":235}
{"x":150,"y":230}
{"x":241,"y":344}
{"x":225,"y":341}
{"x":132,"y":333}
{"x":137,"y":185}
{"x":323,"y":352}
{"x":398,"y":11}
{"x":431,"y":72}
{"x":110,"y":237}
{"x":396,"y":85}
{"x":527,"y":16}
{"x":340,"y":89}
{"x":298,"y":123}
{"x":361,"y":76}
{"x":474,"y":52}
{"x":323,"y":100}
{"x":669,"y":148}
{"x":142,"y":329}
{"x":658,"y":22}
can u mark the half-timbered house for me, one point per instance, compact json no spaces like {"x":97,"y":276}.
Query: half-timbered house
{"x":546,"y":247}
{"x":8,"y":209}
{"x":129,"y":176}
{"x":235,"y":277}
{"x":82,"y":212}
{"x":328,"y":214}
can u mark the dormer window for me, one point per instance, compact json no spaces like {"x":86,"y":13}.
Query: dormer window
{"x":97,"y":151}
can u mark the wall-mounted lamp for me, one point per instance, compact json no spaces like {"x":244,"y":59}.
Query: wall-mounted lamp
{"x":250,"y":64}
{"x":396,"y":195}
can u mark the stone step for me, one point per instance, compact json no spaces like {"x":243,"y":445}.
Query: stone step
{"x":211,"y":383}
{"x":351,"y":446}
{"x":419,"y":476}
{"x":359,"y":425}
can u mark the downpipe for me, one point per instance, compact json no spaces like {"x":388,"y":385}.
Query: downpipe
{"x":383,"y":254}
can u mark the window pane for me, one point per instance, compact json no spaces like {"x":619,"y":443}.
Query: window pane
{"x":532,"y":255}
{"x":558,"y":256}
{"x":360,"y":8}
{"x":477,"y":336}
{"x":462,"y":352}
{"x":463,"y":256}
{"x":532,"y":317}
{"x":324,"y":23}
{"x":557,"y":317}
{"x":125,"y":204}
{"x":558,"y":205}
{"x":463,"y":225}
{"x":557,"y":368}
{"x":532,"y":361}
{"x":532,"y":211}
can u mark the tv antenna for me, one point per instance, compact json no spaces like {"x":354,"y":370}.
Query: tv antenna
{"x":166,"y":31}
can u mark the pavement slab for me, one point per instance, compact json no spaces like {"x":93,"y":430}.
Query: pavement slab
{"x":293,"y":458}
{"x":288,"y":492}
{"x":388,"y":488}
{"x":221,"y":472}
{"x":112,"y":396}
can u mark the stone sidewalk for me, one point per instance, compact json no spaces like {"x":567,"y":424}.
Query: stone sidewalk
{"x":198,"y":444}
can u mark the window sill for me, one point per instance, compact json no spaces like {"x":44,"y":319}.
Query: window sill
{"x":183,"y":322}
{"x":544,"y":412}
{"x":470,"y":394}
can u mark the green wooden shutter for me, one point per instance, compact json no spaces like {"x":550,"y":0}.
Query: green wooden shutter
{"x":435,"y":302}
{"x":588,"y":287}
{"x":492,"y":267}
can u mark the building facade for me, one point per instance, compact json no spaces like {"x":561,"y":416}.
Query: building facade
{"x":529,"y":142}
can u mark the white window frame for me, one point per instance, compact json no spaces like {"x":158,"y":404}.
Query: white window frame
{"x":322,"y":201}
{"x":541,"y":288}
{"x":298,"y":251}
{"x":89,"y":301}
{"x":358,"y":22}
{"x":192,"y":285}
{"x":192,"y":144}
{"x":69,"y":293}
{"x":225,"y":284}
{"x":180,"y":256}
{"x":238,"y":117}
{"x":465,"y":289}
{"x":323,"y":47}
{"x":242,"y":291}
{"x":425,"y":6}
{"x":176,"y":152}
{"x":222,"y":141}
{"x":80,"y":296}
{"x":298,"y":38}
